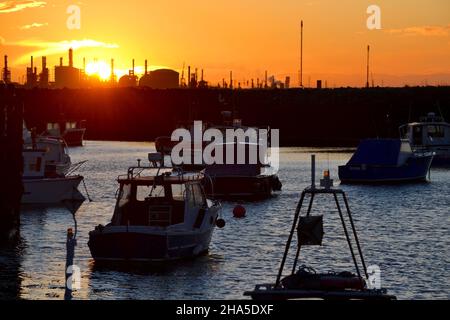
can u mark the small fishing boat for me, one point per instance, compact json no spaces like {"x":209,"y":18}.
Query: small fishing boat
{"x":305,"y":282}
{"x":386,"y":161}
{"x":430,"y":134}
{"x":42,"y":189}
{"x":72,"y":132}
{"x":161,"y":214}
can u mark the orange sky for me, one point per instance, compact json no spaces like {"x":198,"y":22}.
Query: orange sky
{"x":246,"y":36}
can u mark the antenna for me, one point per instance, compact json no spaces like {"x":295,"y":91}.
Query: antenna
{"x":301,"y":55}
{"x":368,"y":64}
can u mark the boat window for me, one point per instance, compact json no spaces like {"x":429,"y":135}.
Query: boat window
{"x":436,"y":131}
{"x":52,"y":126}
{"x":145,"y":192}
{"x":178,"y":191}
{"x":124,"y":195}
{"x":71,"y":125}
{"x":199,"y":198}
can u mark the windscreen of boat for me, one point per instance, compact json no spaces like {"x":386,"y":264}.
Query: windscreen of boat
{"x":123,"y":199}
{"x":377,"y":152}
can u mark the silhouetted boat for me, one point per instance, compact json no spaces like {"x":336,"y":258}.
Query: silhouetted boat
{"x":71,"y":131}
{"x":161,"y":214}
{"x":430,"y":134}
{"x":385,"y":161}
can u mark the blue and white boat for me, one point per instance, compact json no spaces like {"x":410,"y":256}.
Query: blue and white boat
{"x":161,"y":214}
{"x":386,"y":161}
{"x":430,"y":134}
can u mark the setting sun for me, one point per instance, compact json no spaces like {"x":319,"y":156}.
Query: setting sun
{"x":98,"y":68}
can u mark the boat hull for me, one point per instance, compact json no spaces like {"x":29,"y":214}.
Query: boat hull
{"x":74,"y":137}
{"x":50,"y":191}
{"x":240,"y":187}
{"x":415,"y":170}
{"x":138,"y":245}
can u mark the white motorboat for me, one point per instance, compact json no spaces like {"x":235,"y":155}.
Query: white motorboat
{"x":161,"y":214}
{"x":430,"y":134}
{"x":41,"y":189}
{"x":57,"y":159}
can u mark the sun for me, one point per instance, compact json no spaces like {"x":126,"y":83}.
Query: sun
{"x":98,"y":68}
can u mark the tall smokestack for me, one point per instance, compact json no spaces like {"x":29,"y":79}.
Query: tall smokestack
{"x":133,"y":67}
{"x":61,"y":62}
{"x":44,"y":63}
{"x":189,"y":76}
{"x":70,"y":57}
{"x":6,"y":75}
{"x":32,"y":63}
{"x":146,"y":66}
{"x":301,"y":55}
{"x":112,"y":70}
{"x":84,"y":65}
{"x":368,"y":61}
{"x":231,"y":79}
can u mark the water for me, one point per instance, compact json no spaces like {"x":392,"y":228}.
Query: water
{"x":405,"y":230}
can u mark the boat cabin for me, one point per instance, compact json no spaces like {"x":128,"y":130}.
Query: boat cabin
{"x":431,"y":131}
{"x":164,"y":200}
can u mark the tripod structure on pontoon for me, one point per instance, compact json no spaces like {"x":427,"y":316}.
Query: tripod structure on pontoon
{"x":310,"y":232}
{"x":326,"y":187}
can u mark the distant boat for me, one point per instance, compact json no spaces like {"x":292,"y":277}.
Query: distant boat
{"x":231,"y":181}
{"x":385,"y":161}
{"x":71,"y":131}
{"x":430,"y":134}
{"x":42,"y":189}
{"x":57,"y":159}
{"x":161,"y":214}
{"x":248,"y":181}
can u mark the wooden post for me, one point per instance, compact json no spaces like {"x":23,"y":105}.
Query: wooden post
{"x":11,"y":163}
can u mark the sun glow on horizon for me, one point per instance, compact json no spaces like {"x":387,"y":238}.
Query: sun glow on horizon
{"x":98,"y":68}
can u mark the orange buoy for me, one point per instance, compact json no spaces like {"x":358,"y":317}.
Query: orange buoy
{"x":239,"y":211}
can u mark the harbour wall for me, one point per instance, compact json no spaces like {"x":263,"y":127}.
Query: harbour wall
{"x":309,"y":117}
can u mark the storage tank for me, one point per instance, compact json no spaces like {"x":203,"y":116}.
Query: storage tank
{"x":160,"y":79}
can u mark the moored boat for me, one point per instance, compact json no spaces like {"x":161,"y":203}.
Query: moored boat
{"x":161,"y":214}
{"x":385,"y":161}
{"x":72,"y":132}
{"x":42,"y":189}
{"x":430,"y":134}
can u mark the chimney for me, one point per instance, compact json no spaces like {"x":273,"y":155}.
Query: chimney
{"x":231,"y":79}
{"x":61,"y":62}
{"x":189,"y":76}
{"x":84,"y":65}
{"x":44,"y":63}
{"x":31,"y":63}
{"x":71,"y":57}
{"x":133,"y":68}
{"x":146,"y":66}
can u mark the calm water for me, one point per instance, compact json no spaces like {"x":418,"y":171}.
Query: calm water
{"x":403,"y":229}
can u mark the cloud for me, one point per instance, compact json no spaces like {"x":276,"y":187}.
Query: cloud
{"x":33,"y":25}
{"x":47,"y":48}
{"x":14,"y":6}
{"x":428,"y":31}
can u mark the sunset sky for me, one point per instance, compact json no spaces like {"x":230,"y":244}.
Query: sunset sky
{"x":246,"y":36}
